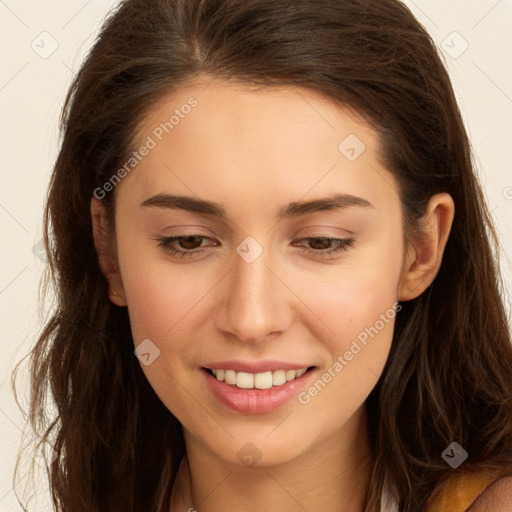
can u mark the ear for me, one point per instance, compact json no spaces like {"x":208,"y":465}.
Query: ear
{"x":105,"y":249}
{"x":425,"y":253}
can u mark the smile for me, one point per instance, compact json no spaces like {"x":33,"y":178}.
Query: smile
{"x":263,"y":380}
{"x":269,"y":386}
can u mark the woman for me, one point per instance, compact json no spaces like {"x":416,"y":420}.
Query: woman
{"x":274,"y":266}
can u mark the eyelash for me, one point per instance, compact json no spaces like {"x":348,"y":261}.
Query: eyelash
{"x":168,"y":243}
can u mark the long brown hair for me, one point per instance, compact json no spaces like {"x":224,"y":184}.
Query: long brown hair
{"x":449,"y":373}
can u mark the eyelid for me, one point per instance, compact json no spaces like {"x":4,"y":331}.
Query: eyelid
{"x":341,"y":244}
{"x":182,"y":230}
{"x":346,"y":232}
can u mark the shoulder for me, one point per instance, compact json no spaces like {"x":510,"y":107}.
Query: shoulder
{"x":496,"y":497}
{"x":474,"y":490}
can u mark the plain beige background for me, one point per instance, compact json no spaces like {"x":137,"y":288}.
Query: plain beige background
{"x":43,"y":43}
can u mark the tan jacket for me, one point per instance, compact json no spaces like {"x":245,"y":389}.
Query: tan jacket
{"x":459,"y":491}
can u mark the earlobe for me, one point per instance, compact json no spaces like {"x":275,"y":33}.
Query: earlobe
{"x":106,"y":253}
{"x":425,"y":253}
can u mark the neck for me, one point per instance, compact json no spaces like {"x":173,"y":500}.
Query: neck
{"x":331,"y":476}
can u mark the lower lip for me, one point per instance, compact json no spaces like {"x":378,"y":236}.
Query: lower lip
{"x":255,"y":401}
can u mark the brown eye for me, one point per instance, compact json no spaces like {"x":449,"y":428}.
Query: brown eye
{"x":320,"y":243}
{"x":191,"y":242}
{"x":183,"y":246}
{"x":325,"y":246}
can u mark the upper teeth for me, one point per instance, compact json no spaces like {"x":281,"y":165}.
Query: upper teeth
{"x":263,"y":380}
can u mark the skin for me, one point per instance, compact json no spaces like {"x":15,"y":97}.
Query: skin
{"x":497,"y":497}
{"x":254,"y":151}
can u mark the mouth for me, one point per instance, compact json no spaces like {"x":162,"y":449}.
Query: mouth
{"x":262,"y":380}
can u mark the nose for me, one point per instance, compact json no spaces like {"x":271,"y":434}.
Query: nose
{"x":255,"y":303}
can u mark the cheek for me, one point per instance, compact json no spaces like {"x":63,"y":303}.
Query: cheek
{"x":162,"y":298}
{"x":348,"y":309}
{"x":162,"y":304}
{"x":362,"y":317}
{"x":361,"y":314}
{"x":358,"y":303}
{"x":352,"y":297}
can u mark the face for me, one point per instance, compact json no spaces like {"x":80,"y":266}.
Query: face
{"x":258,"y":234}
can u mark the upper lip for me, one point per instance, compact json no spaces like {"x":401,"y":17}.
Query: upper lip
{"x":239,"y":365}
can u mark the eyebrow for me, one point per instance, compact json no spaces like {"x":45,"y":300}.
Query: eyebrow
{"x":293,"y":209}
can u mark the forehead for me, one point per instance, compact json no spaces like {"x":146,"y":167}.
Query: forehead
{"x":219,"y":136}
{"x":252,"y":114}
